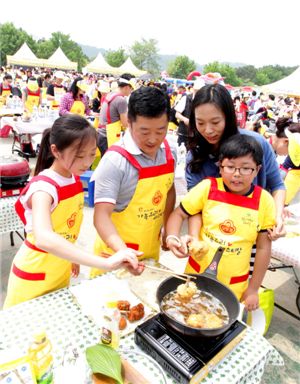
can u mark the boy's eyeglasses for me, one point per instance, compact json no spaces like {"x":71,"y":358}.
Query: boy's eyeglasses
{"x":242,"y":171}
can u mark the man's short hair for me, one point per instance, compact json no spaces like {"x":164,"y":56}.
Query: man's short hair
{"x":7,"y":77}
{"x":124,"y":80}
{"x":148,"y":102}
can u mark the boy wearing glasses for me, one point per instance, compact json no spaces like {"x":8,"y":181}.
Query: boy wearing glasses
{"x":235,"y":215}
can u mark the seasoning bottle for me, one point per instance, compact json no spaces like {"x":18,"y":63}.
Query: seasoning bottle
{"x":109,"y":333}
{"x":41,"y":358}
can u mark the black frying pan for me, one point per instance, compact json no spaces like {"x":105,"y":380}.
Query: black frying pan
{"x":206,"y":282}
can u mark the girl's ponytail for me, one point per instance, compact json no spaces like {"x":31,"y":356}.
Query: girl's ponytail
{"x":45,"y":157}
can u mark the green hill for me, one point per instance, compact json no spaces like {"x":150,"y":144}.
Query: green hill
{"x":91,"y":52}
{"x":164,"y":60}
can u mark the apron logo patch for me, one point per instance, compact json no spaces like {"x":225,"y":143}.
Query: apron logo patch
{"x":157,"y":198}
{"x":227,"y":227}
{"x":71,"y":220}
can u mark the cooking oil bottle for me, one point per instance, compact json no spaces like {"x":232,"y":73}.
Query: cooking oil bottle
{"x":109,"y":332}
{"x":41,"y":357}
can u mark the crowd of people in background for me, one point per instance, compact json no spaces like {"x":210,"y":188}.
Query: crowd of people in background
{"x":250,"y":106}
{"x":103,"y":98}
{"x":221,"y":130}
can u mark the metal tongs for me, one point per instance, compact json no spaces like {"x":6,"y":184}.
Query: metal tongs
{"x":181,"y":276}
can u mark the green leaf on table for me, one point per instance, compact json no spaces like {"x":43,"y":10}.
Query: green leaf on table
{"x":105,"y":360}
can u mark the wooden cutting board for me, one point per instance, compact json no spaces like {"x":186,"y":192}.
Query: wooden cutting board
{"x":129,"y":373}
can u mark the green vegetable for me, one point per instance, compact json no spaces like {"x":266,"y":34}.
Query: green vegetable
{"x":105,"y":360}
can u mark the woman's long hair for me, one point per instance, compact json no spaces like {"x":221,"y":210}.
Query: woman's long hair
{"x":219,"y":96}
{"x":281,"y":124}
{"x":285,"y":122}
{"x":74,"y":89}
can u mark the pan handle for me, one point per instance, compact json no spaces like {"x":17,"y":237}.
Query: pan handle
{"x":212,"y":269}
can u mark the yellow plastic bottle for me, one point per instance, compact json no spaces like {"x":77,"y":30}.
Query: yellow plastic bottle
{"x":41,"y":358}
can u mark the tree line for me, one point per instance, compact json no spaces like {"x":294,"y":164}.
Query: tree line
{"x":144,"y":54}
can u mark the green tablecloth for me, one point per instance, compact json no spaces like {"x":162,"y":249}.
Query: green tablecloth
{"x":9,"y":220}
{"x":66,"y":325}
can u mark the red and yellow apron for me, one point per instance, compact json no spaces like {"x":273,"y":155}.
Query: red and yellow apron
{"x":113,"y":130}
{"x":33,"y":99}
{"x":6,"y":91}
{"x":230,"y":221}
{"x":35,"y":272}
{"x":139,"y":224}
{"x":58,"y":94}
{"x":292,"y":184}
{"x":78,"y":107}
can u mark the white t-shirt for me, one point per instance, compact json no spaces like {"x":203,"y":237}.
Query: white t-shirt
{"x":46,"y":187}
{"x":180,"y":106}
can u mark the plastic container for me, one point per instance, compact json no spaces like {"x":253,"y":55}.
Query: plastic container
{"x":181,"y":155}
{"x":15,"y":367}
{"x":109,"y":331}
{"x":35,"y":112}
{"x":41,"y":358}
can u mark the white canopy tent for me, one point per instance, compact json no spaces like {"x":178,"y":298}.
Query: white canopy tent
{"x":289,"y":85}
{"x":60,"y":60}
{"x":99,"y":65}
{"x":25,"y":57}
{"x":129,"y":67}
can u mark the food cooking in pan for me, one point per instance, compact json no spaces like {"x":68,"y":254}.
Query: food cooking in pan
{"x":195,"y":308}
{"x":186,"y":291}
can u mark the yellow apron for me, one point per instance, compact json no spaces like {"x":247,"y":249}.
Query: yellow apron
{"x":292,"y":184}
{"x":172,"y":126}
{"x":230,"y":221}
{"x":78,"y":107}
{"x":95,"y":94}
{"x":139,"y":224}
{"x":58,"y":94}
{"x":96,"y":122}
{"x":35,"y":272}
{"x":6,"y":91}
{"x":113,"y":130}
{"x":33,"y":99}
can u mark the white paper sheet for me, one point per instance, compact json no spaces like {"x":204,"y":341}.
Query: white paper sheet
{"x":93,"y":295}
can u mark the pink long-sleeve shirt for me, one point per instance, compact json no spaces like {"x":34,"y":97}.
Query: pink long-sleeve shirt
{"x":67,"y":101}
